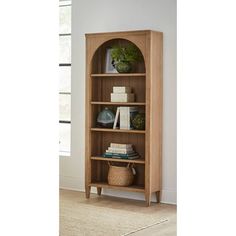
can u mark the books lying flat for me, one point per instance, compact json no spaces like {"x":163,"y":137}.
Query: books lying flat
{"x":120,"y":145}
{"x":120,"y":150}
{"x":126,"y":158}
{"x":121,"y":156}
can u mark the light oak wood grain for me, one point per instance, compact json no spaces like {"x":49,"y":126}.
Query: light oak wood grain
{"x":146,"y":83}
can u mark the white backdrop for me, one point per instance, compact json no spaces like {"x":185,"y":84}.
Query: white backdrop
{"x":90,"y":16}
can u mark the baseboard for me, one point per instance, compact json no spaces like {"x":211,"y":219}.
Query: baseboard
{"x":73,"y":183}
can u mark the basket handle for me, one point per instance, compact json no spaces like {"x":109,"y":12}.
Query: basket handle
{"x":130,"y":165}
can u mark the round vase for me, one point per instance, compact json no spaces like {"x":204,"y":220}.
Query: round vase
{"x":138,"y":121}
{"x":105,"y":118}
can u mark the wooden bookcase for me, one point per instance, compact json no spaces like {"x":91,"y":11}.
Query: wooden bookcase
{"x":146,"y":83}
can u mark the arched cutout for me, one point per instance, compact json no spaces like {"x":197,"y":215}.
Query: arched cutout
{"x":98,"y":63}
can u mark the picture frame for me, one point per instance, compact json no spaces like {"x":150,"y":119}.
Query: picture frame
{"x":109,"y":68}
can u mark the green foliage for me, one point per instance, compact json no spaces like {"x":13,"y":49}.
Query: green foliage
{"x":129,"y":53}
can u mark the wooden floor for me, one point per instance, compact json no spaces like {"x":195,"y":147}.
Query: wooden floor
{"x":69,"y":198}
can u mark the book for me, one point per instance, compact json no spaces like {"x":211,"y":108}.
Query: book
{"x":121,"y":151}
{"x":116,"y":117}
{"x":119,"y":154}
{"x":120,"y":145}
{"x":122,"y":97}
{"x":126,"y":115}
{"x":122,"y":157}
{"x":127,"y":158}
{"x":121,"y":89}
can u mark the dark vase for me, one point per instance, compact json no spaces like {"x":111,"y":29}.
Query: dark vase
{"x":105,"y":118}
{"x":123,"y":66}
{"x":138,"y":121}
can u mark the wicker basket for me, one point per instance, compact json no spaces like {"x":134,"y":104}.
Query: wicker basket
{"x":120,"y":175}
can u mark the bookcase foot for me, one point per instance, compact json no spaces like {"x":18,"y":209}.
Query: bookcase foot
{"x":99,"y":191}
{"x":87,"y":191}
{"x":158,"y":196}
{"x":148,"y":199}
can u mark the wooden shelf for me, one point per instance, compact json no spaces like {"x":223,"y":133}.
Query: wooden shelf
{"x":118,"y":75}
{"x":137,"y":161}
{"x":132,"y":188}
{"x":120,"y":103}
{"x":132,"y":131}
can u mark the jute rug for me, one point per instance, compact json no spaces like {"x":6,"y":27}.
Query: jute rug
{"x":105,"y":216}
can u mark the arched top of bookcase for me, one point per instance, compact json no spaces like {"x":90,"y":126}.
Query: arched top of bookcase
{"x":99,"y":57}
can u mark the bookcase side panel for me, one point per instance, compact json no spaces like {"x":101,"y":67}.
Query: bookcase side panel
{"x":147,"y":117}
{"x":88,"y":120}
{"x":156,"y":68}
{"x":87,"y":123}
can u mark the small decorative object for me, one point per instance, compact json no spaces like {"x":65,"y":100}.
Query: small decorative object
{"x":124,"y":57}
{"x":126,"y":116}
{"x":121,"y":89}
{"x":122,"y":94}
{"x":120,"y":175}
{"x":106,"y":118}
{"x":138,"y":121}
{"x":110,"y":66}
{"x":122,"y":97}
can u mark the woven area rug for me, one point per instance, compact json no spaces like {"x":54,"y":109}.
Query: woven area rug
{"x":105,"y":216}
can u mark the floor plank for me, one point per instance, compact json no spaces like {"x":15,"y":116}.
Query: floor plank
{"x":69,"y":200}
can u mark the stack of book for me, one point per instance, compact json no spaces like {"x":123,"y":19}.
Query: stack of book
{"x":122,"y":151}
{"x":122,"y":94}
{"x":125,"y":115}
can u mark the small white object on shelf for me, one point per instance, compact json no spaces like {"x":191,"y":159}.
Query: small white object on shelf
{"x":121,"y":89}
{"x":126,"y":114}
{"x":122,"y":97}
{"x":116,"y":117}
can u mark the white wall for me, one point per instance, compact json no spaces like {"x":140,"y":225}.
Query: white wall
{"x":89,"y":16}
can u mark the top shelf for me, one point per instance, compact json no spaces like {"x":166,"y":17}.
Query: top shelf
{"x":118,"y":75}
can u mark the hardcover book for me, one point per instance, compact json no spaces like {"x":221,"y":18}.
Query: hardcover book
{"x":126,"y":114}
{"x":120,"y":145}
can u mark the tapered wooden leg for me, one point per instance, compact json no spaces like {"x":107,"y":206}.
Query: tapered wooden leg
{"x":148,"y":199}
{"x":87,"y":191}
{"x":158,"y":196}
{"x":99,"y":190}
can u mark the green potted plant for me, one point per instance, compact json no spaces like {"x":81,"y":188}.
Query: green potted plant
{"x":124,"y":57}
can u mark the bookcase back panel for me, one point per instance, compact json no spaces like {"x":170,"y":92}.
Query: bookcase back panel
{"x":101,"y":141}
{"x":103,"y":87}
{"x":99,"y":58}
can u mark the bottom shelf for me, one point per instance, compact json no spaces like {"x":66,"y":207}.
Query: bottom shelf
{"x":132,"y":188}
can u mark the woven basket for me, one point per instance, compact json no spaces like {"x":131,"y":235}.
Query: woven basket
{"x":120,"y":175}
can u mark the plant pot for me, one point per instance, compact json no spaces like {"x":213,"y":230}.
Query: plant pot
{"x":123,"y":67}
